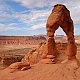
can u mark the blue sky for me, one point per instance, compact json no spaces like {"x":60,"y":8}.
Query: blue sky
{"x":28,"y":17}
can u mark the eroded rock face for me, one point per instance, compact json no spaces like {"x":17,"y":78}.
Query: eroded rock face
{"x":40,"y":54}
{"x":51,"y":47}
{"x":19,"y":66}
{"x":60,"y":16}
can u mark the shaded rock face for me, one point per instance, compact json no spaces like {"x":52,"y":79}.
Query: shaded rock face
{"x":60,"y":16}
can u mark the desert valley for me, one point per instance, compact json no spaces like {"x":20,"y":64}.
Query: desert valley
{"x":47,"y":54}
{"x":11,"y":50}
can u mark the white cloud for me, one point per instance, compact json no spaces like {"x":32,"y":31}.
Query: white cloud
{"x":7,"y":27}
{"x":4,"y":6}
{"x":72,"y":5}
{"x":5,"y":12}
{"x":38,"y":26}
{"x":36,"y":18}
{"x":12,"y":27}
{"x":32,"y":3}
{"x":4,"y":16}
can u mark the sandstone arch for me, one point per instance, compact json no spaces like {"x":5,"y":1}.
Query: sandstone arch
{"x":60,"y":16}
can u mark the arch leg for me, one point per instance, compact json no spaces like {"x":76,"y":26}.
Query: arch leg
{"x":72,"y":48}
{"x":51,"y":45}
{"x":68,"y":28}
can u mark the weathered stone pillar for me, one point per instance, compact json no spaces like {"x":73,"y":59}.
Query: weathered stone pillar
{"x":50,"y":57}
{"x":71,"y":48}
{"x":51,"y":47}
{"x":71,"y":51}
{"x":60,"y":16}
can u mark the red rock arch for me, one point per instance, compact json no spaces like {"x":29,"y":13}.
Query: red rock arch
{"x":60,"y":16}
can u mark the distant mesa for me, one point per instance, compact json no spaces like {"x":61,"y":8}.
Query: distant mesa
{"x":21,"y":39}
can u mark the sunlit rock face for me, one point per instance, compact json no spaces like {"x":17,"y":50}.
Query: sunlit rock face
{"x":60,"y":16}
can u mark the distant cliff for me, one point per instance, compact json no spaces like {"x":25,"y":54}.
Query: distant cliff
{"x":33,"y":39}
{"x":21,"y":39}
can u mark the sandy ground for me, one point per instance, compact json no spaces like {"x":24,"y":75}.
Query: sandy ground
{"x":67,"y":71}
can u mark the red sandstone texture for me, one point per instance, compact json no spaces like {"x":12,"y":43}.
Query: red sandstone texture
{"x":40,"y":53}
{"x":60,"y":16}
{"x":67,"y":71}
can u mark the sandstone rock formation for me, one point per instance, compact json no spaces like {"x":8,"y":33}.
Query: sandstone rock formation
{"x":40,"y":54}
{"x":67,"y":71}
{"x":60,"y":16}
{"x":18,"y":66}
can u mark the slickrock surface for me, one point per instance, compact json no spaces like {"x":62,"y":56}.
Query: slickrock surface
{"x":67,"y":71}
